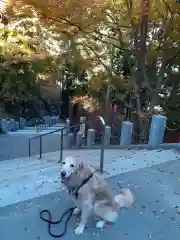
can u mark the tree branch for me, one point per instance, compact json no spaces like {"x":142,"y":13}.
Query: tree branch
{"x":88,"y":33}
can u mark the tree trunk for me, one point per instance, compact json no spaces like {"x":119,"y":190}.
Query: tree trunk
{"x":140,"y":79}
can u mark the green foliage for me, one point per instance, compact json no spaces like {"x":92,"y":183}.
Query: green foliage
{"x":19,"y":69}
{"x":73,"y":78}
{"x":17,"y":82}
{"x":170,"y":97}
{"x":133,"y":49}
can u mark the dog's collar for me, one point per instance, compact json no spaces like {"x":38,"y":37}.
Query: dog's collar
{"x":74,"y":190}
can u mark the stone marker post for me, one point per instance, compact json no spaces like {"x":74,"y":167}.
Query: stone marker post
{"x":157,"y":129}
{"x":22,"y":122}
{"x":126,"y":133}
{"x":79,"y":139}
{"x":90,"y":137}
{"x":13,"y":125}
{"x":107,"y":135}
{"x":4,"y":126}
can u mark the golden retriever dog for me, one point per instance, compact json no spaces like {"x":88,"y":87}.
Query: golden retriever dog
{"x":91,"y":194}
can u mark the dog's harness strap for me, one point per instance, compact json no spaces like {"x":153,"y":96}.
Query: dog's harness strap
{"x":67,"y":213}
{"x":76,"y":190}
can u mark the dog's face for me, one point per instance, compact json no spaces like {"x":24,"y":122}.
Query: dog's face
{"x":68,"y":167}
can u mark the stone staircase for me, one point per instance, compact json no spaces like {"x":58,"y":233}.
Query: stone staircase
{"x":26,"y":178}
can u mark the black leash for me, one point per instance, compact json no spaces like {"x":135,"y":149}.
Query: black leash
{"x":67,"y":213}
{"x":50,"y":222}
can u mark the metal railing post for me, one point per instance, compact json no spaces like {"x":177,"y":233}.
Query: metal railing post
{"x":102,"y":148}
{"x":61,"y":146}
{"x":40,"y":147}
{"x":29,"y":147}
{"x":36,"y":125}
{"x":102,"y":151}
{"x":102,"y":144}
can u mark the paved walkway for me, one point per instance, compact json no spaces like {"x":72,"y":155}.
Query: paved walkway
{"x":27,"y":178}
{"x":155,"y":216}
{"x":15,"y":144}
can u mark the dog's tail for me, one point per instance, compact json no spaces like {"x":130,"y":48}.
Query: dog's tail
{"x":124,"y":199}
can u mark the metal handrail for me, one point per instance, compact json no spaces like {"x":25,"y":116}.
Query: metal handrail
{"x":61,"y":146}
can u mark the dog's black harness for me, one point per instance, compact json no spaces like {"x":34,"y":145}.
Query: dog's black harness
{"x":73,"y":191}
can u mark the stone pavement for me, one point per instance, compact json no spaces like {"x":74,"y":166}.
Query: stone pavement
{"x":155,"y":215}
{"x":27,"y":178}
{"x":15,"y":144}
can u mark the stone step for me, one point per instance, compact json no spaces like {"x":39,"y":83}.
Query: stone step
{"x":26,"y":178}
{"x":22,"y":166}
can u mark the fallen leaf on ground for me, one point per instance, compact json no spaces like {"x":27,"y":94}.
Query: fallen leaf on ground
{"x":149,"y":235}
{"x":172,"y":206}
{"x":108,"y":225}
{"x":178,"y":212}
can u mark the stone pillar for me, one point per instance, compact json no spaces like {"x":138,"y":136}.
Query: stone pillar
{"x":56,"y":120}
{"x":70,"y":138}
{"x":12,"y":125}
{"x":22,"y":122}
{"x":8,"y":125}
{"x":65,"y":141}
{"x":82,"y":125}
{"x":68,"y":125}
{"x":68,"y":141}
{"x":4,"y":126}
{"x":17,"y":126}
{"x":46,"y":119}
{"x":107,"y":135}
{"x":79,"y":139}
{"x":49,"y":122}
{"x":156,"y":134}
{"x":53,"y":120}
{"x":90,"y":137}
{"x":126,"y":133}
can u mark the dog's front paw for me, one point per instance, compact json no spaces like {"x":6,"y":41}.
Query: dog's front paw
{"x":79,"y":230}
{"x":76,"y":211}
{"x":100,"y":224}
